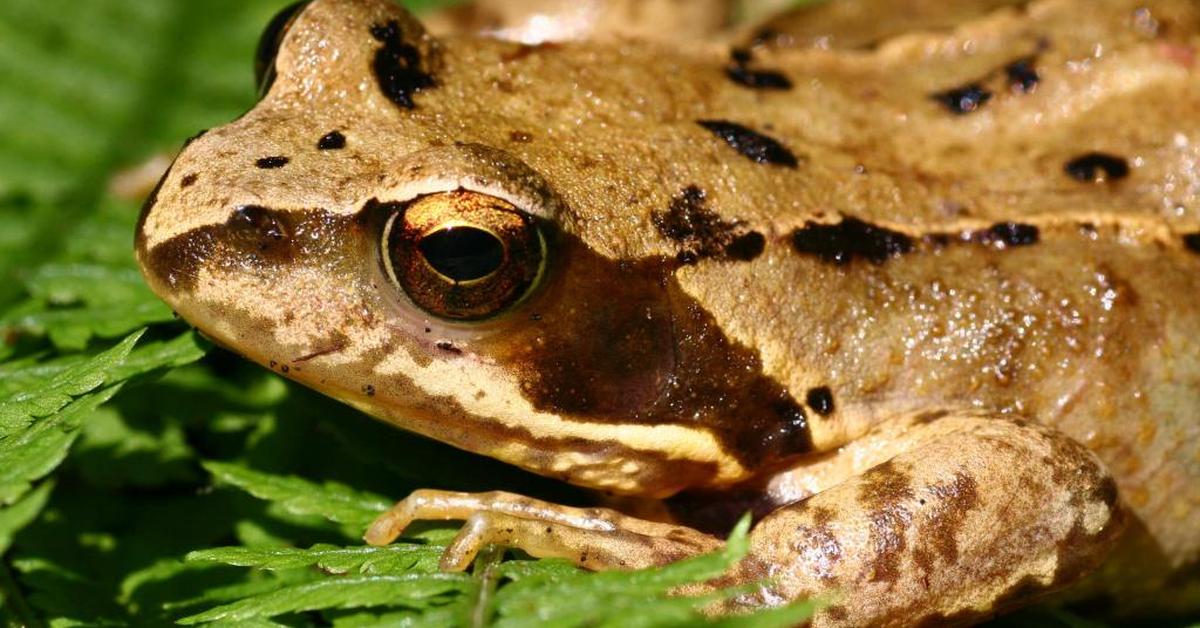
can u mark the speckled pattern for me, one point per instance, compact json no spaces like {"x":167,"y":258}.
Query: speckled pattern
{"x":921,"y":282}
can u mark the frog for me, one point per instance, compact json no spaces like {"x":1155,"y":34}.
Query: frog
{"x":916,"y":287}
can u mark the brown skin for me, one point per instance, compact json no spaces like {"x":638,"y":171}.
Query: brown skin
{"x":926,"y":302}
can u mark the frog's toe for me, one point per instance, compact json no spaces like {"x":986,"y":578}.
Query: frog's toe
{"x":420,"y":505}
{"x":614,"y":548}
{"x":594,"y":538}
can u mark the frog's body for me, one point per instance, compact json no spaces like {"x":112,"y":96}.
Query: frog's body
{"x":923,"y":302}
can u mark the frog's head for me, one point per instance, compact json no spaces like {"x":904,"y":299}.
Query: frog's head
{"x":374,"y":229}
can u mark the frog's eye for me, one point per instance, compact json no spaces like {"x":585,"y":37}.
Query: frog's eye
{"x":462,"y":255}
{"x":268,"y":45}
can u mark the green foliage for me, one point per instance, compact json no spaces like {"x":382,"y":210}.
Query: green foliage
{"x":405,"y":576}
{"x":333,"y":501}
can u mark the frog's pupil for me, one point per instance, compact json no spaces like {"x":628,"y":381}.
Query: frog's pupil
{"x":268,"y":45}
{"x":463,"y":253}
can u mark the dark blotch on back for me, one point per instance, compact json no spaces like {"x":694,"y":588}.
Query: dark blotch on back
{"x":751,"y":144}
{"x":746,"y":247}
{"x":188,"y":180}
{"x":739,"y":72}
{"x":332,"y":140}
{"x":820,"y":399}
{"x":883,"y":493}
{"x":963,"y":100}
{"x":622,"y":342}
{"x":1192,"y":242}
{"x":943,"y":518}
{"x":397,"y":66}
{"x":1022,"y":76}
{"x":1097,"y":167}
{"x":849,"y":239}
{"x":701,"y":233}
{"x":267,"y":163}
{"x":1012,"y":234}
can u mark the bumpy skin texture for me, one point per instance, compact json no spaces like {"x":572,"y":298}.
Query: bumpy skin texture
{"x":928,"y":298}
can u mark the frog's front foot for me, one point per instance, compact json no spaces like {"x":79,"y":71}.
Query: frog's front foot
{"x":595,"y":538}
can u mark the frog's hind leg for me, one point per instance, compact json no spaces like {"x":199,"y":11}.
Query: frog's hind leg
{"x":596,"y":538}
{"x":540,"y":21}
{"x":982,"y":515}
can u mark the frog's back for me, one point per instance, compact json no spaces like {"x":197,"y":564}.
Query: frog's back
{"x":1007,"y":217}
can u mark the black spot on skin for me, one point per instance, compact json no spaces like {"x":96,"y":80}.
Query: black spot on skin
{"x":332,"y":140}
{"x":701,"y":233}
{"x":963,"y":100}
{"x":1097,"y":167}
{"x":1022,"y":76}
{"x":269,"y":163}
{"x":1192,"y":242}
{"x":188,"y":180}
{"x":397,"y":66}
{"x":820,"y":399}
{"x":746,"y":247}
{"x":751,"y":144}
{"x":849,"y":239}
{"x":1012,"y":234}
{"x":739,"y":73}
{"x":368,"y":390}
{"x":520,"y":137}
